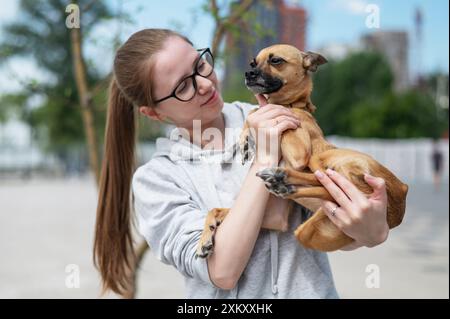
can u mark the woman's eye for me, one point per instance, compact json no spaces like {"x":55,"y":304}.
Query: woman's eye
{"x":182,"y":87}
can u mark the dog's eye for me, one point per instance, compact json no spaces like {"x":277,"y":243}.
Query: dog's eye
{"x":253,"y":63}
{"x":276,"y":61}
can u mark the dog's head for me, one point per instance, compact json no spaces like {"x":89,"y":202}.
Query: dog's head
{"x":283,"y":73}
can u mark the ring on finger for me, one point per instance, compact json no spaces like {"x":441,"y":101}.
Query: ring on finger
{"x":333,"y":211}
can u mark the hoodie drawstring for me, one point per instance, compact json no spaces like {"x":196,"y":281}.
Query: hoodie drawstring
{"x":274,"y":260}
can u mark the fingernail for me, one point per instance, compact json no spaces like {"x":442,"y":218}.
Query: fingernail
{"x":318,"y":174}
{"x":329,"y":171}
{"x":368,"y":176}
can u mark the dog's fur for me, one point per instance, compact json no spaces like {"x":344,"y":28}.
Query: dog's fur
{"x":283,"y":73}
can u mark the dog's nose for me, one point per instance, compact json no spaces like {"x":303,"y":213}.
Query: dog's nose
{"x":253,"y":74}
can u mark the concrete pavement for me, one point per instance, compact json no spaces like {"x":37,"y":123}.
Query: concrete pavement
{"x":46,"y":229}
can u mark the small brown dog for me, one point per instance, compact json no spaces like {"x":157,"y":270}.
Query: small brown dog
{"x":283,"y":73}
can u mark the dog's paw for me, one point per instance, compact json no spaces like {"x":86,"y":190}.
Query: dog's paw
{"x":206,"y":245}
{"x":275,"y":181}
{"x":205,"y":249}
{"x":248,"y":148}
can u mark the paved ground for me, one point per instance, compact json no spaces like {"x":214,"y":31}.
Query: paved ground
{"x":47,"y":225}
{"x":413,"y":263}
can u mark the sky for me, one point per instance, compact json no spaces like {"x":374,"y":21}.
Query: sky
{"x":329,"y":22}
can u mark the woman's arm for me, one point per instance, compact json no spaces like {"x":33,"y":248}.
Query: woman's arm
{"x":237,"y":234}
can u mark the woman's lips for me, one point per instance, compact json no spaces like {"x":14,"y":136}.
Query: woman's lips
{"x":211,"y":99}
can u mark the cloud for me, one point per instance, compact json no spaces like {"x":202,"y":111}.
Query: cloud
{"x":17,"y":71}
{"x":9,"y":10}
{"x":355,"y":7}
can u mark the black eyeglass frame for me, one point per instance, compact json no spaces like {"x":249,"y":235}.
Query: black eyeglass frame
{"x":193,"y":75}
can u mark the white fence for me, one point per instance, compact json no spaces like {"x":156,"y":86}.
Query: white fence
{"x":409,"y":159}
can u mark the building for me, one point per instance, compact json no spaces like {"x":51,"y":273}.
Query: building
{"x":292,"y":27}
{"x":393,"y":45}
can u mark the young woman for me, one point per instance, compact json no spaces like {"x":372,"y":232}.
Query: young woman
{"x":161,"y":74}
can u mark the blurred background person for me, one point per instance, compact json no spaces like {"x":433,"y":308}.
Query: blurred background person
{"x":436,"y":159}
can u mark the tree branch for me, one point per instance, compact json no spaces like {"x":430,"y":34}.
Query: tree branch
{"x":85,"y":101}
{"x":223,"y":23}
{"x":88,"y":6}
{"x":214,"y":10}
{"x":239,"y":12}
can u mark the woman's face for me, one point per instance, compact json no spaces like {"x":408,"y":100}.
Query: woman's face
{"x":173,"y":63}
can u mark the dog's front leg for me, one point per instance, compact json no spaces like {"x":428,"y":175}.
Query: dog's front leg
{"x":213,"y":219}
{"x":296,"y":148}
{"x":247,"y":143}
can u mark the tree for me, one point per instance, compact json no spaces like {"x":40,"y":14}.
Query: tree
{"x":354,"y":97}
{"x":226,"y":23}
{"x":340,"y":85}
{"x":41,"y":34}
{"x":72,"y":105}
{"x":406,"y":115}
{"x":248,"y":29}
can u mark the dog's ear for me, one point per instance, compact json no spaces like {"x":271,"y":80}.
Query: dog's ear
{"x":312,"y":60}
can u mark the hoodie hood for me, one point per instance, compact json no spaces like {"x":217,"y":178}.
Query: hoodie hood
{"x":177,"y":147}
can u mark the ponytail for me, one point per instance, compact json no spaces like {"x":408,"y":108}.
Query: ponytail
{"x":113,"y":244}
{"x":114,"y":256}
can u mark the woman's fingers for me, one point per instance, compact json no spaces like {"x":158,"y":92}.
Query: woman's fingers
{"x":271,"y":114}
{"x":262,"y":101}
{"x":271,"y":118}
{"x":285,"y":125}
{"x":348,"y":187}
{"x":274,"y":125}
{"x":339,"y":196}
{"x":282,"y":118}
{"x":277,"y":112}
{"x":270,"y":108}
{"x":378,"y":185}
{"x":336,"y":214}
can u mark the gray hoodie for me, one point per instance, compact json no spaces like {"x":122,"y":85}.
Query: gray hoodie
{"x":174,"y":191}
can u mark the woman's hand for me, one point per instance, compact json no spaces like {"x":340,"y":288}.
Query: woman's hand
{"x":359,"y":217}
{"x":267,"y":125}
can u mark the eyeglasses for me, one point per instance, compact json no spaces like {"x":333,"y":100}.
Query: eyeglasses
{"x":186,"y":89}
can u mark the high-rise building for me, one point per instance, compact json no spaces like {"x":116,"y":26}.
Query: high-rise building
{"x":271,"y":22}
{"x":292,"y":25}
{"x":393,"y":45}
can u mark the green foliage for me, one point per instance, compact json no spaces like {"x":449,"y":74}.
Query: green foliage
{"x":249,"y":30}
{"x":9,"y":106}
{"x":354,"y":97}
{"x":40,"y":33}
{"x":339,"y":85}
{"x":406,"y":115}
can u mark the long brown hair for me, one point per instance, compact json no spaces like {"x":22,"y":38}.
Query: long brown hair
{"x":130,"y":87}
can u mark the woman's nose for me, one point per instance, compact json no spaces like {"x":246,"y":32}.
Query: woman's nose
{"x":204,"y":84}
